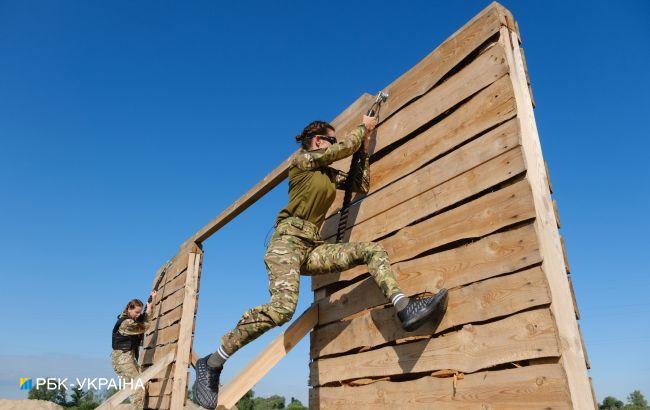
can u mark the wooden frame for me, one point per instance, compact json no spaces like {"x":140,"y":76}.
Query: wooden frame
{"x":460,"y":196}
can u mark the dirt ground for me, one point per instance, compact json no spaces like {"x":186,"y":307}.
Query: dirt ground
{"x":28,"y":405}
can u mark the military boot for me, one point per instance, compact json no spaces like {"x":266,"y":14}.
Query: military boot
{"x":206,"y":387}
{"x":419,"y":311}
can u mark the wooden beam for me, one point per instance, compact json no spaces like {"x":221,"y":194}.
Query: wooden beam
{"x":527,"y":335}
{"x":490,"y":107}
{"x":477,"y":302}
{"x":267,"y":358}
{"x":179,"y":388}
{"x":344,"y":122}
{"x":114,"y":401}
{"x":457,"y":176}
{"x":483,"y":71}
{"x":474,"y":219}
{"x":572,"y":356}
{"x":539,"y":387}
{"x":432,"y":68}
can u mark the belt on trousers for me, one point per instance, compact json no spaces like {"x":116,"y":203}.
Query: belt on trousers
{"x":292,"y":225}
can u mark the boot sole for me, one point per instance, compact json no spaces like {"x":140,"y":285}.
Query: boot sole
{"x":437,"y":310}
{"x":205,"y":397}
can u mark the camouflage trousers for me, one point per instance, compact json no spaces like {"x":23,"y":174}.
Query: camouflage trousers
{"x":127,"y":368}
{"x":294,"y":249}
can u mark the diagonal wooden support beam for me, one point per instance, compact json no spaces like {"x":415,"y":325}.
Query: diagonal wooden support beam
{"x":114,"y":401}
{"x":267,"y":358}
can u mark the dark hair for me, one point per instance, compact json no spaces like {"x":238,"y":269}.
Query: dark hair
{"x":132,"y":304}
{"x":314,"y":128}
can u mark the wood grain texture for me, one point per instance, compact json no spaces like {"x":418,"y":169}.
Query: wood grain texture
{"x":480,"y":301}
{"x":152,"y":356}
{"x":572,"y":358}
{"x":479,"y":165}
{"x":523,"y":336}
{"x":366,"y":294}
{"x":488,"y":108}
{"x":474,"y":219}
{"x":486,"y":69}
{"x":168,"y":319}
{"x":186,"y":331}
{"x":526,"y":388}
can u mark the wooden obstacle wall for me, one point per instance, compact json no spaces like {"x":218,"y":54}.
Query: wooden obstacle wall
{"x":459,"y":198}
{"x":172,"y":329}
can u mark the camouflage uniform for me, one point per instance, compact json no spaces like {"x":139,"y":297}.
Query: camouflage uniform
{"x":124,"y":362}
{"x":296,"y":248}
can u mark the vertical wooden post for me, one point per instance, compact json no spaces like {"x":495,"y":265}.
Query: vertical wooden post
{"x":183,"y":351}
{"x":572,"y":358}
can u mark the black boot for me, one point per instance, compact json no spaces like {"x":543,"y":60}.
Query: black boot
{"x":419,"y":311}
{"x":206,"y":387}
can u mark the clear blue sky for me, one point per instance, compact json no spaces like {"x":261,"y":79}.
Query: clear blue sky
{"x":125,"y":126}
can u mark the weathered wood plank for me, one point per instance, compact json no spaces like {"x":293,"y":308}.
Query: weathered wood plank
{"x":347,"y":120}
{"x":151,"y":356}
{"x":461,"y":174}
{"x":161,"y":336}
{"x":488,"y":108}
{"x":527,"y":335}
{"x":526,"y":388}
{"x":186,"y":334}
{"x":161,"y":402}
{"x":480,"y":301}
{"x":170,"y":269}
{"x":474,"y":219}
{"x":573,"y":297}
{"x":366,"y":294}
{"x":572,"y":355}
{"x":163,"y":321}
{"x":486,"y":69}
{"x":428,"y":71}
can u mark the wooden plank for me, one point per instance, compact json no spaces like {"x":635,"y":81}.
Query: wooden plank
{"x":474,"y":219}
{"x":480,"y":301}
{"x":488,"y":108}
{"x":160,"y":387}
{"x":179,"y":389}
{"x":163,"y":321}
{"x":114,"y":401}
{"x":344,"y":122}
{"x":432,"y":68}
{"x":527,"y":335}
{"x":548,"y":177}
{"x":170,"y":269}
{"x":366,"y":294}
{"x":526,"y":388}
{"x":442,"y":183}
{"x":565,"y":256}
{"x":151,"y":356}
{"x":158,"y":402}
{"x":572,"y":356}
{"x":573,"y":297}
{"x":162,"y":336}
{"x":267,"y":358}
{"x":486,"y":69}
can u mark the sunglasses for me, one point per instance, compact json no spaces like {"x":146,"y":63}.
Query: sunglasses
{"x":331,"y":140}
